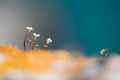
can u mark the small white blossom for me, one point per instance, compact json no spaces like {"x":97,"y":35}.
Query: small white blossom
{"x":49,"y":40}
{"x":102,"y":51}
{"x":29,"y":28}
{"x":36,"y":35}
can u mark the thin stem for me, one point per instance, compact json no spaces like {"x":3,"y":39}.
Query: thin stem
{"x":107,"y":53}
{"x":34,"y":42}
{"x":45,"y":46}
{"x":24,"y":43}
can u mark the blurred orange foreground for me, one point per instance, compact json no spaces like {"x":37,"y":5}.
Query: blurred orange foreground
{"x":39,"y":60}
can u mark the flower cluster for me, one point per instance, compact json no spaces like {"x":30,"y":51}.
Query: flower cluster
{"x":35,"y":36}
{"x":33,"y":40}
{"x":104,"y":51}
{"x":29,"y":29}
{"x":48,"y":41}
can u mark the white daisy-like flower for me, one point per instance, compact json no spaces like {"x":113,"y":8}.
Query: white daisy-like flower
{"x":48,"y":41}
{"x":102,"y":51}
{"x":29,"y":28}
{"x":36,"y":35}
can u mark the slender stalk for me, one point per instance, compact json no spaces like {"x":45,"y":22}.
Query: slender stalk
{"x":45,"y":46}
{"x":34,"y":44}
{"x":107,"y":53}
{"x":24,"y":43}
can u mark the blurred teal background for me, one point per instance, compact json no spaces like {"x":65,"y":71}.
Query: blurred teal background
{"x":87,"y":25}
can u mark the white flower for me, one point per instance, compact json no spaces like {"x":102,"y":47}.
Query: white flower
{"x":29,"y":28}
{"x":48,"y":41}
{"x":36,"y":35}
{"x":102,"y":51}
